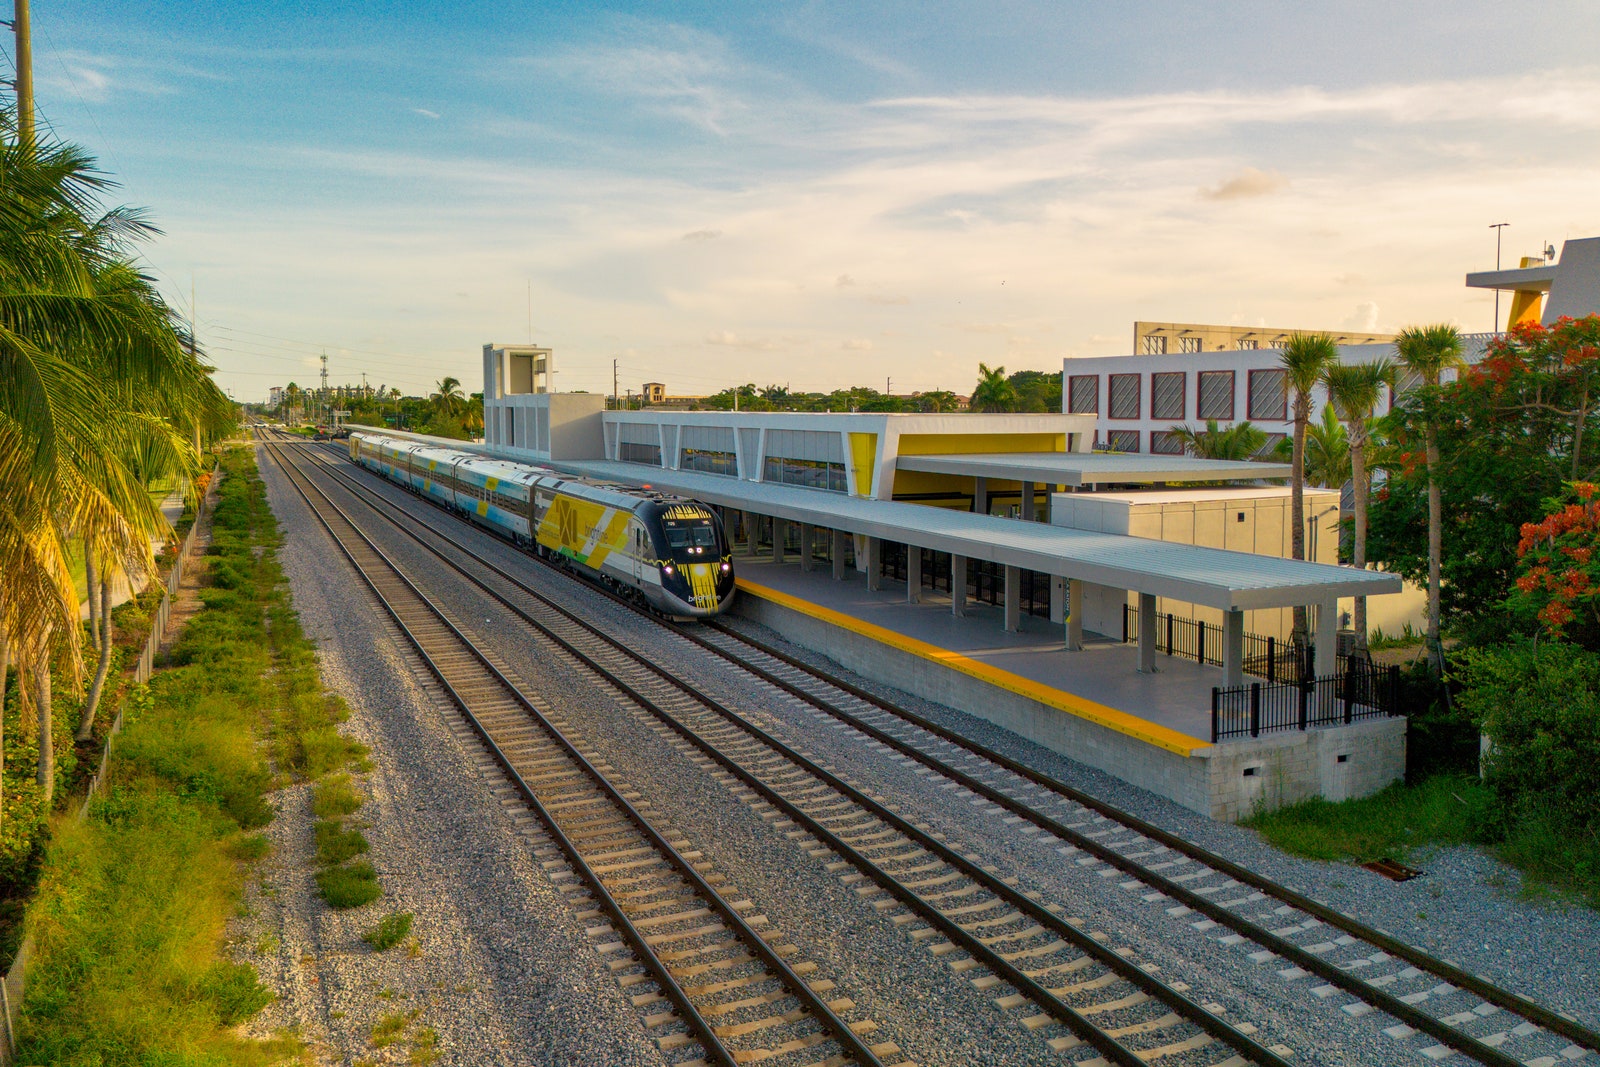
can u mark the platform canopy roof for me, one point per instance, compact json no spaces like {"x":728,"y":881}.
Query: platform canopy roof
{"x":1209,"y":576}
{"x":1089,"y":468}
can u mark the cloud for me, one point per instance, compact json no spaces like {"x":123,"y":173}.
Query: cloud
{"x":1249,"y":182}
{"x":424,"y":112}
{"x":701,"y":235}
{"x":857,"y":344}
{"x":729,"y":339}
{"x":844,"y":281}
{"x":1364,"y":318}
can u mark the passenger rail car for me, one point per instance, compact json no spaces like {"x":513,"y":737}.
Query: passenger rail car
{"x":666,"y":552}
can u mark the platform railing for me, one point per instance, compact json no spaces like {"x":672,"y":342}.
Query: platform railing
{"x":1360,"y":690}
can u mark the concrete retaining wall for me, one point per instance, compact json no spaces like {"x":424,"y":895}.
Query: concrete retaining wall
{"x":1225,"y":781}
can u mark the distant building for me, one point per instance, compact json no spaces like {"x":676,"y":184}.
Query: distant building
{"x":1179,"y":338}
{"x":654,"y":392}
{"x":276,"y":396}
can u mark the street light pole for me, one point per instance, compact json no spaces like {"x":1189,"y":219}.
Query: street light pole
{"x":1497,"y":227}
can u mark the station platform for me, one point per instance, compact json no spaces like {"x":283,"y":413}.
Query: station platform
{"x":1152,"y":730}
{"x":1171,"y":708}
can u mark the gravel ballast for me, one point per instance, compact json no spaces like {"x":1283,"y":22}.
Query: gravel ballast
{"x":501,"y":970}
{"x":1467,"y":908}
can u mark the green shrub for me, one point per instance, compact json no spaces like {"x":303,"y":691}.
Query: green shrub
{"x":334,"y":797}
{"x":336,"y":844}
{"x":233,"y":988}
{"x":390,"y":931}
{"x":349,"y":887}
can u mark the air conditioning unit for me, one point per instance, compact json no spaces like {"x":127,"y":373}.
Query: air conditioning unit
{"x":1345,"y":642}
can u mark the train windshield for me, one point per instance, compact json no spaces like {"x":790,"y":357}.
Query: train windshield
{"x":700,"y":535}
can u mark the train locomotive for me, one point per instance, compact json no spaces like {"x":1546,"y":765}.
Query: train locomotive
{"x":664,"y":552}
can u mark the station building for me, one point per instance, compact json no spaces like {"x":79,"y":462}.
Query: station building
{"x":999,"y":564}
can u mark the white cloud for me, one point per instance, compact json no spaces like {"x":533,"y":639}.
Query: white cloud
{"x":424,"y":112}
{"x":701,"y":235}
{"x":1249,"y":182}
{"x":857,"y":344}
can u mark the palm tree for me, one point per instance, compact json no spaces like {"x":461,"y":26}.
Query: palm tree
{"x":1305,"y":355}
{"x":1428,"y":351}
{"x":994,"y":392}
{"x":99,"y":391}
{"x":1240,"y":441}
{"x":448,"y":399}
{"x":1327,"y":456}
{"x":1354,"y":390}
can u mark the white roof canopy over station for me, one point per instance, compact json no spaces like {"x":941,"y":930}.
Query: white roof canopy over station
{"x":1089,"y":468}
{"x":1210,"y":576}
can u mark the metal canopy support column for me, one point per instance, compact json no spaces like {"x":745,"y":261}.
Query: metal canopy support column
{"x":913,"y":574}
{"x":1233,"y":647}
{"x":780,"y":534}
{"x":958,"y":585}
{"x":808,"y":545}
{"x":1074,"y":615}
{"x":980,"y":495}
{"x":1327,"y":641}
{"x":1058,"y":599}
{"x":752,"y":538}
{"x":1147,"y":633}
{"x":874,"y":563}
{"x":1013,"y":599}
{"x":1027,"y":501}
{"x":840,"y":539}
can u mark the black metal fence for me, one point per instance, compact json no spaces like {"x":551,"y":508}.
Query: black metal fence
{"x":1360,"y":690}
{"x":1272,"y":658}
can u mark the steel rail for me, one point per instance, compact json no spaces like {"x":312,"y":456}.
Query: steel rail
{"x":1053,"y":1005}
{"x":1415,"y":1017}
{"x":1481,"y":987}
{"x":705,"y":1033}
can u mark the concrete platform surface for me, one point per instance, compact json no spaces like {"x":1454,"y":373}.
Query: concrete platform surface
{"x":1177,"y":697}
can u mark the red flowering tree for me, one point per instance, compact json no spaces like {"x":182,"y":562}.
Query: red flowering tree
{"x":1558,"y":567}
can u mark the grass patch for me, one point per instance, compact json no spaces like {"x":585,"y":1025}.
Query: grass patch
{"x":390,"y":931}
{"x":387,"y":1030}
{"x":334,"y":797}
{"x":133,"y":902}
{"x":335,"y":844}
{"x":1441,"y":810}
{"x":424,"y":1047}
{"x":349,"y":887}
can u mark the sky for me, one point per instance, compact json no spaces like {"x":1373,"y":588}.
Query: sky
{"x":816,"y":195}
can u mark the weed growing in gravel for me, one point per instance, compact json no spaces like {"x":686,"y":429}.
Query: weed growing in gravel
{"x":1438,"y":811}
{"x":390,"y":931}
{"x":335,"y":844}
{"x":387,"y":1030}
{"x":350,"y":886}
{"x":334,"y":797}
{"x":424,"y":1046}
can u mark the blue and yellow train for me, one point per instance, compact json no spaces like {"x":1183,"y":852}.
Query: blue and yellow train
{"x":665,"y":552}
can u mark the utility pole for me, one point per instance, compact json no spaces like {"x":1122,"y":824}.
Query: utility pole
{"x":614,"y":386}
{"x":1497,"y":227}
{"x":325,"y":377}
{"x":888,"y":387}
{"x":364,"y":394}
{"x":19,"y":25}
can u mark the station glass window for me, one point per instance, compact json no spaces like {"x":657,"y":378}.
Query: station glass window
{"x":1154,"y":345}
{"x":1125,"y":396}
{"x":1270,"y":448}
{"x":1167,"y":395}
{"x":1123,"y":441}
{"x":1083,"y":394}
{"x":1216,"y":394}
{"x":1166,"y":443}
{"x":810,"y":473}
{"x":712,"y":462}
{"x":1189,"y":344}
{"x":634,"y":452}
{"x":1269,"y":394}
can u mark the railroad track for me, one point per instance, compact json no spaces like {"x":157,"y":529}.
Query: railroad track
{"x":715,"y":985}
{"x":1053,"y":973}
{"x":1358,"y":968}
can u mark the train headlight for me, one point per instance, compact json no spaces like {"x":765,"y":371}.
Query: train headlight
{"x":667,"y":570}
{"x":726,"y":567}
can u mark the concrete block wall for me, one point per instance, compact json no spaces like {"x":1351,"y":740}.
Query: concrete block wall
{"x":1226,"y":781}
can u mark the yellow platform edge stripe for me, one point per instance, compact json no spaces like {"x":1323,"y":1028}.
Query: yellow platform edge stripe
{"x":1120,"y":721}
